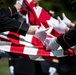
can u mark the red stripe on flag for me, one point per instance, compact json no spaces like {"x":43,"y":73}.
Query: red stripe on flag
{"x":44,"y":16}
{"x":32,"y":13}
{"x":37,"y":43}
{"x":13,"y":37}
{"x":41,"y":49}
{"x":42,"y":52}
{"x":55,"y":33}
{"x":15,"y":46}
{"x":5,"y":40}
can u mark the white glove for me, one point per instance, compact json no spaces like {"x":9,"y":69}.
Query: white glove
{"x":66,"y":20}
{"x":52,"y":70}
{"x":51,"y":44}
{"x":60,"y":28}
{"x":49,"y":30}
{"x":41,"y":34}
{"x":11,"y":68}
{"x":19,"y":1}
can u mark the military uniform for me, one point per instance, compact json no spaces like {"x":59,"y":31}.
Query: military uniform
{"x":7,"y":23}
{"x":68,"y":39}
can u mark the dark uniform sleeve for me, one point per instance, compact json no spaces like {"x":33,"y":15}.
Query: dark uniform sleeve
{"x":9,"y":24}
{"x":9,"y":12}
{"x":68,"y":39}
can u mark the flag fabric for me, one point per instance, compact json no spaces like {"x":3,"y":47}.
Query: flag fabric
{"x":38,"y":16}
{"x":29,"y":45}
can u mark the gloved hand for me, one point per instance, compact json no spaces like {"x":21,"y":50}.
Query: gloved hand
{"x":41,"y":34}
{"x":66,"y":20}
{"x":51,"y":44}
{"x":60,"y":28}
{"x":19,"y":1}
{"x":52,"y":70}
{"x":49,"y":30}
{"x":18,"y":7}
{"x":69,"y":52}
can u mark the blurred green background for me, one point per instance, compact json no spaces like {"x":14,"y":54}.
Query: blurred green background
{"x":58,"y":6}
{"x":4,"y":69}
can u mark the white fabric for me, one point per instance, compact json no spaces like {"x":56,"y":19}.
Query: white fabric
{"x":19,"y":1}
{"x":29,"y":45}
{"x":66,"y":20}
{"x":52,"y":70}
{"x":53,"y":22}
{"x":49,"y":30}
{"x":51,"y":44}
{"x":41,"y":34}
{"x":61,"y":27}
{"x":38,"y":10}
{"x":58,"y":25}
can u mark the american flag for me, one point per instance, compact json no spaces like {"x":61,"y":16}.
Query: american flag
{"x":29,"y":45}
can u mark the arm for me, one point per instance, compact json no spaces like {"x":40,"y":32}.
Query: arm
{"x":9,"y":24}
{"x":68,"y":39}
{"x":10,"y":11}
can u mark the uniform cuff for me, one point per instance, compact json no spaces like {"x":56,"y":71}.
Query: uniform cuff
{"x":23,"y":29}
{"x":62,"y":42}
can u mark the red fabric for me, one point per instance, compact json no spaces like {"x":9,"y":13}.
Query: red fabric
{"x":16,"y":46}
{"x":34,"y":20}
{"x":69,"y":52}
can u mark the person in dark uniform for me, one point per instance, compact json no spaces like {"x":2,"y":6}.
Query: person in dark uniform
{"x":24,"y":66}
{"x":67,"y":40}
{"x":7,"y":23}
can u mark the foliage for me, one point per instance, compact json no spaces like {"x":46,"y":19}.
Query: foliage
{"x":58,"y":6}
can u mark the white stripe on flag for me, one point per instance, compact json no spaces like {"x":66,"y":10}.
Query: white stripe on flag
{"x":5,"y":46}
{"x":30,"y":51}
{"x":4,"y":35}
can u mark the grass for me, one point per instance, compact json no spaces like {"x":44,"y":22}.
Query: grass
{"x":4,"y":69}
